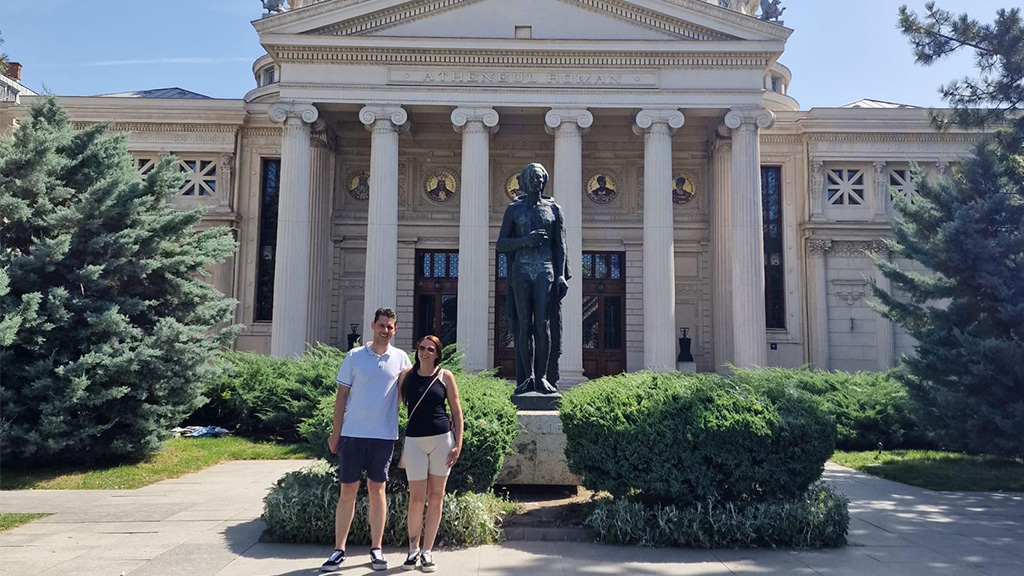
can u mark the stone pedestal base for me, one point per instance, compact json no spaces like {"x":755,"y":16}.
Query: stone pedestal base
{"x":686,"y":366}
{"x":537,"y":401}
{"x":538,"y":453}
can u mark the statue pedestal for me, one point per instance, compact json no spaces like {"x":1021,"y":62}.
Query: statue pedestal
{"x":537,"y":401}
{"x":686,"y":366}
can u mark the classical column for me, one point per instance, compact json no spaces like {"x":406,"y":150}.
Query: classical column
{"x":381,"y":287}
{"x":476,"y":126}
{"x":817,"y":191}
{"x":884,"y":330}
{"x":750,"y":347}
{"x":568,"y":127}
{"x":321,"y":205}
{"x":657,"y":126}
{"x":291,"y":271}
{"x":817,"y":302}
{"x":721,"y":246}
{"x":881,"y":191}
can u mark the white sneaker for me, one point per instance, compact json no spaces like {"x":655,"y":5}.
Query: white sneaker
{"x":427,"y":561}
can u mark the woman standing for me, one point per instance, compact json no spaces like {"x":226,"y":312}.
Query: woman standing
{"x":433,"y":443}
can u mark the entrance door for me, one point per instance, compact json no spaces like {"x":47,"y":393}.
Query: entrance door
{"x":604,"y":316}
{"x":604,"y":313}
{"x":436,"y":295}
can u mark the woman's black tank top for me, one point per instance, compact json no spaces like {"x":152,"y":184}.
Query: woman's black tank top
{"x":430,"y":418}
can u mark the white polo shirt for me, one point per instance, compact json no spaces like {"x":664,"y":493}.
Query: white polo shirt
{"x":372,"y":380}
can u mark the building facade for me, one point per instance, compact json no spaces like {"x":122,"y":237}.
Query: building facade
{"x":373,"y":162}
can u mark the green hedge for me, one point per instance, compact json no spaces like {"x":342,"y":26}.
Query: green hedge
{"x":818,"y":518}
{"x":301,"y":505}
{"x":490,"y":429}
{"x":870,"y":408}
{"x":268,"y":397}
{"x":678,"y":438}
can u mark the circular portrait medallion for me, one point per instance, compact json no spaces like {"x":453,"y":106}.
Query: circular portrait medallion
{"x":601,"y":188}
{"x":512,"y":188}
{"x":359,"y":184}
{"x":440,"y":185}
{"x":683,"y":188}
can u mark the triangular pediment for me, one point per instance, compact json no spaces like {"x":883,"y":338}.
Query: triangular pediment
{"x":601,"y":20}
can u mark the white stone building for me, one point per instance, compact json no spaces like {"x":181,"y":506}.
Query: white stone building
{"x":372,"y":164}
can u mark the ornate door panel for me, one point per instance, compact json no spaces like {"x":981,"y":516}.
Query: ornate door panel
{"x":436,"y":295}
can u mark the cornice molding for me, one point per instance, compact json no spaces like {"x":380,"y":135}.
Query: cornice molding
{"x":156,"y":127}
{"x":894,"y":137}
{"x":519,"y":58}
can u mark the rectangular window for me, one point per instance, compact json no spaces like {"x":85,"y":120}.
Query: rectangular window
{"x":774,"y":271}
{"x":270,"y":189}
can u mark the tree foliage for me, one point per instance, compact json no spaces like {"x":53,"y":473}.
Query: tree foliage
{"x":997,"y":94}
{"x":106,"y":326}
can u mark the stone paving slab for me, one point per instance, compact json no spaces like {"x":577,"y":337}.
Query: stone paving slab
{"x":208,"y":524}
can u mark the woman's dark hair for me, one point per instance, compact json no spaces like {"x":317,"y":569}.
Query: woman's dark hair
{"x":437,"y":344}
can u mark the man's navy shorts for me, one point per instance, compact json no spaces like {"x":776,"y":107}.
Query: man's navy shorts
{"x":358,"y":454}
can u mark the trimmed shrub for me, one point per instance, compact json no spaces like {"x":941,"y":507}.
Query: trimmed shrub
{"x":818,"y":518}
{"x":268,"y":397}
{"x":868,"y":407}
{"x":679,"y":438}
{"x":490,"y":429}
{"x":300,"y":509}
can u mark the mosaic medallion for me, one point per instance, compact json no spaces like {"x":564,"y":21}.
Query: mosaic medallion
{"x":683,"y":188}
{"x":440,"y":185}
{"x":512,"y":186}
{"x":601,"y":188}
{"x":359,"y":184}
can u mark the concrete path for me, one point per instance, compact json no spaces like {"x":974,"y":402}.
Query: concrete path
{"x":206,"y":524}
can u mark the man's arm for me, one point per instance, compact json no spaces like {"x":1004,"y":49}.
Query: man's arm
{"x":558,"y":248}
{"x":340,"y":400}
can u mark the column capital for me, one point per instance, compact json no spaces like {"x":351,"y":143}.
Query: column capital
{"x":648,"y":118}
{"x":369,"y":115}
{"x":282,"y":111}
{"x":558,"y":116}
{"x":462,"y":117}
{"x":750,"y":118}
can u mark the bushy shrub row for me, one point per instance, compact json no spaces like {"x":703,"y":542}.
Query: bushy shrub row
{"x":301,"y":505}
{"x":678,"y":438}
{"x":816,"y":519}
{"x":869,"y":408}
{"x":490,"y":429}
{"x":267,"y":397}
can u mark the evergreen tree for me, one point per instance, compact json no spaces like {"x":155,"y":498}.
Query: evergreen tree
{"x":967,"y":311}
{"x":107,"y":326}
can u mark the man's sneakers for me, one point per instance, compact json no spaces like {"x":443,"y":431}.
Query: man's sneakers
{"x":427,"y":561}
{"x":333,"y":563}
{"x":410,"y":561}
{"x":377,"y":559}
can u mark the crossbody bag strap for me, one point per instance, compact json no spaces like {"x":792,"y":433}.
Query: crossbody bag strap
{"x":425,"y":390}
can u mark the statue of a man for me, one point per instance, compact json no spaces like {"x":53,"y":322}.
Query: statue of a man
{"x":533,"y":233}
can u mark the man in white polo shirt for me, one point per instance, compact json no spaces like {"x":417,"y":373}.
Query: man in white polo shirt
{"x":364,"y":433}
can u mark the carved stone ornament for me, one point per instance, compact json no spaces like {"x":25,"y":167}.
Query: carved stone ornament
{"x":850,"y":297}
{"x":282,"y":111}
{"x":650,"y":118}
{"x":819,"y":246}
{"x":558,"y":116}
{"x":602,"y":188}
{"x":684,"y":188}
{"x":357,"y":182}
{"x":441,"y":185}
{"x":369,"y":115}
{"x":749,"y":118}
{"x":488,"y":117}
{"x":850,"y":291}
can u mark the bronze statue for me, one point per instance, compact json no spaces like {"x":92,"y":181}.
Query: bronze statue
{"x":533,"y":233}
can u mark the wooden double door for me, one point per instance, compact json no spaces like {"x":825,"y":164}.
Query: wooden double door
{"x":604,"y":316}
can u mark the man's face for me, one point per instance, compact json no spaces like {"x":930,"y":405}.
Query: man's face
{"x":383,"y":329}
{"x":601,"y":181}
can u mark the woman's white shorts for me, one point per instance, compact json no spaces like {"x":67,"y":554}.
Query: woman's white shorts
{"x":427,"y":455}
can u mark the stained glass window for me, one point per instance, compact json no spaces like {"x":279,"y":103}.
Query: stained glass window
{"x":774,"y":271}
{"x":588,"y":265}
{"x":453,"y":265}
{"x":616,"y":268}
{"x":502,"y":265}
{"x":270,"y":188}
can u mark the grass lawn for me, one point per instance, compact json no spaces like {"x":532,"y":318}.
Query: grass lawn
{"x":939,"y":470}
{"x":13,"y":520}
{"x":179,"y":456}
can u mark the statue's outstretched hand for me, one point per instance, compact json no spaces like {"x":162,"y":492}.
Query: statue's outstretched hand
{"x":536,"y":238}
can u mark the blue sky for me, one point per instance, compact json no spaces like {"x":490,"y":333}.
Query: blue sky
{"x":841,"y":50}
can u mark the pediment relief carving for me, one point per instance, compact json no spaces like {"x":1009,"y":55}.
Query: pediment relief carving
{"x":610,"y":20}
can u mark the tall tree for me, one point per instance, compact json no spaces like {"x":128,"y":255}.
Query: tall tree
{"x":967,"y":311}
{"x":107,"y":326}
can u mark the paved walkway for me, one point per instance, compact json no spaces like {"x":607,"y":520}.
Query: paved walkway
{"x":206,"y":524}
